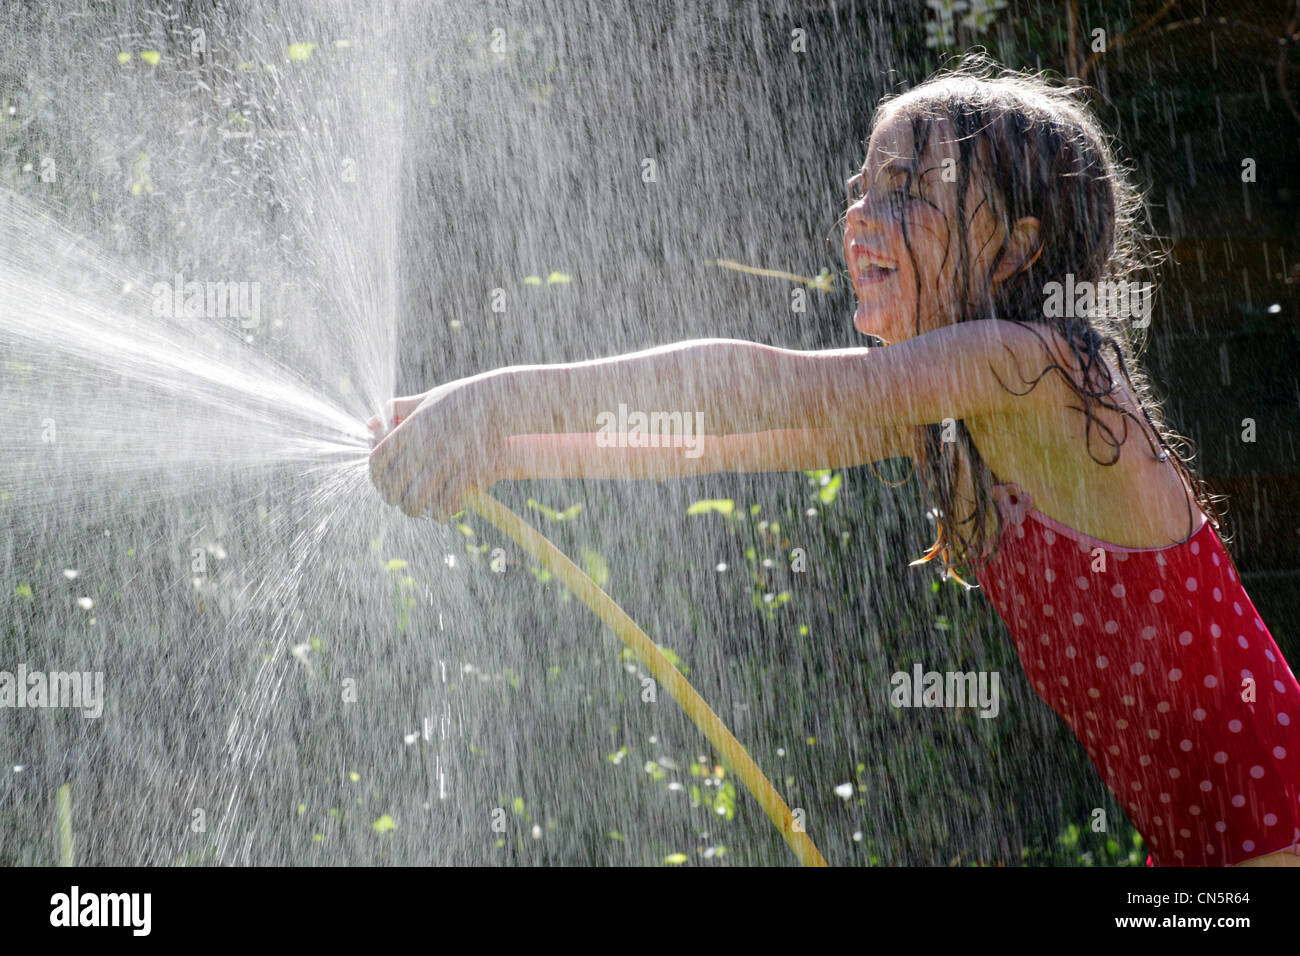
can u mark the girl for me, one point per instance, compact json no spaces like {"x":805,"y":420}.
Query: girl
{"x":980,"y":189}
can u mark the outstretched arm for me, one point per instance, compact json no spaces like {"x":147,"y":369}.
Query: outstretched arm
{"x":745,"y":387}
{"x":584,"y":456}
{"x":457,"y":436}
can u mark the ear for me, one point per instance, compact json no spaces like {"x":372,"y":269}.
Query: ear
{"x":1023,"y":249}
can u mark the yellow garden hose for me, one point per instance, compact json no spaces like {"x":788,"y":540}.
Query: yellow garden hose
{"x":735,"y":755}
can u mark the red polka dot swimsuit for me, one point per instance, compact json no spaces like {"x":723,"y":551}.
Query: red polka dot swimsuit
{"x":1164,"y":670}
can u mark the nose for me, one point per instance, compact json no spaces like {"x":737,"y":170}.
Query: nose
{"x":864,"y":216}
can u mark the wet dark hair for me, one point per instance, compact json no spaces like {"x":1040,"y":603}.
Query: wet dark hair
{"x":1032,"y":148}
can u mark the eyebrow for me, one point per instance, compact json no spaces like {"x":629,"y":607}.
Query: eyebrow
{"x":894,"y":166}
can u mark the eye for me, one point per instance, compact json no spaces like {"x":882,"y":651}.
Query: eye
{"x":900,"y":197}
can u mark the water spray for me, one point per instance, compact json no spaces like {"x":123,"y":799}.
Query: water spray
{"x":647,"y":652}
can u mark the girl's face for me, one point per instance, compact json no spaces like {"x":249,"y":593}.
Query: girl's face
{"x":882,"y":270}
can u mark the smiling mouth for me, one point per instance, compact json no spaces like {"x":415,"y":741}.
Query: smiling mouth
{"x":868,"y":269}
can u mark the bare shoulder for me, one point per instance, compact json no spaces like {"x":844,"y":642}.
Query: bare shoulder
{"x":1019,"y":355}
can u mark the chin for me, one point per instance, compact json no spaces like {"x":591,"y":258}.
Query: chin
{"x":869,"y":324}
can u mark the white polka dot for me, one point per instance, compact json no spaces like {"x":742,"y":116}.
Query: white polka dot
{"x":1190,"y":584}
{"x":1257,"y":771}
{"x":1145,"y":760}
{"x":1194,"y":810}
{"x":1269,"y":655}
{"x":1101,"y":663}
{"x":1111,"y":627}
{"x":1077,"y":618}
{"x":1270,"y":819}
{"x":1165,"y":798}
{"x":1185,"y":834}
{"x":1236,"y":607}
{"x":1114,"y":751}
{"x":1220,"y":757}
{"x":1175,"y":773}
{"x":1148,"y":633}
{"x":1242,"y":642}
{"x":1118,"y":590}
{"x":1279,"y":687}
{"x":1049,"y":575}
{"x":1175,"y":674}
{"x":1156,"y":596}
{"x":1047,"y":610}
{"x":1220,"y":826}
{"x":1122,"y":724}
{"x":1199,"y":713}
{"x":1206,"y":786}
{"x":1136,"y":785}
{"x":1138,"y":667}
{"x":1045,"y":638}
{"x":1081,"y":583}
{"x":1284,"y":720}
{"x":1211,"y":680}
{"x":1238,"y":801}
{"x":1185,"y":638}
{"x":1259,"y":624}
{"x":1153,"y":734}
{"x":1065,"y":681}
{"x":1279,"y":753}
{"x":1232,"y":575}
{"x":1248,"y":845}
{"x":1049,"y":537}
{"x":1218,"y":595}
{"x":1041,"y":685}
{"x":1158,"y":821}
{"x":1020,"y":567}
{"x":1214,"y":630}
{"x":1093,"y":692}
{"x":1020,"y":599}
{"x":1185,"y":745}
{"x":1071,"y":653}
{"x":1129,"y":701}
{"x":1163,"y":707}
{"x":1234,"y":726}
{"x":1196,"y":547}
{"x":1179,"y":854}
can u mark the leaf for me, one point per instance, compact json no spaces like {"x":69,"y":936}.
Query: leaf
{"x":532,"y":280}
{"x":301,"y":51}
{"x":395,"y":564}
{"x":568,"y":514}
{"x":152,"y":57}
{"x":595,"y":566}
{"x":23,"y":591}
{"x":124,"y":58}
{"x":558,"y":278}
{"x":830,"y":489}
{"x":676,"y":859}
{"x":724,"y":506}
{"x":384,"y":824}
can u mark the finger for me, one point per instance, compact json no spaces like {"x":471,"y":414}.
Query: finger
{"x":385,"y":479}
{"x":415,"y":497}
{"x":386,"y":453}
